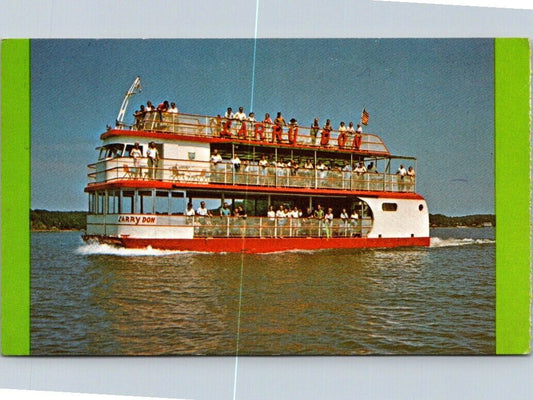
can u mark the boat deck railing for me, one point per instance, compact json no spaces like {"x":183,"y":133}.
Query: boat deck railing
{"x":258,"y":132}
{"x":204,"y":173}
{"x":220,"y":226}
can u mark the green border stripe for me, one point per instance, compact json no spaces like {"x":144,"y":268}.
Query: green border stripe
{"x":15,"y":197}
{"x":512,"y":176}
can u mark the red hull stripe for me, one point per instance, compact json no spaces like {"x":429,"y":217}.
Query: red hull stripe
{"x":133,"y":183}
{"x":201,"y":139}
{"x":257,"y":245}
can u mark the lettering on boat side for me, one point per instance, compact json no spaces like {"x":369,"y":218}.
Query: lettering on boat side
{"x":134,"y":219}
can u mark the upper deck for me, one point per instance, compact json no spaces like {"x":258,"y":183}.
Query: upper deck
{"x":185,"y":143}
{"x":217,"y":129}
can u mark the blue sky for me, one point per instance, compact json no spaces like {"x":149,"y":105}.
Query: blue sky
{"x":427,"y":98}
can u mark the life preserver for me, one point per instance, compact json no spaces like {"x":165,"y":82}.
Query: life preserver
{"x":276,"y":133}
{"x":259,"y":129}
{"x":293,"y":134}
{"x":341,"y":140}
{"x":324,"y":140}
{"x":226,"y":129}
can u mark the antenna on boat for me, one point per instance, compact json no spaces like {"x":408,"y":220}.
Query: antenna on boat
{"x":134,"y":89}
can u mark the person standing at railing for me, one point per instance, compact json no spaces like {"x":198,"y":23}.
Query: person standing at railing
{"x":358,"y":138}
{"x":342,"y":138}
{"x":411,"y":174}
{"x":139,"y":118}
{"x":203,"y":219}
{"x":189,"y":213}
{"x":344,"y":222}
{"x":315,"y":127}
{"x":359,"y":172}
{"x":271,"y":223}
{"x":350,"y":131}
{"x":153,"y":160}
{"x":328,"y":222}
{"x":173,"y":109}
{"x":326,"y":132}
{"x":137,"y":154}
{"x":354,"y":223}
{"x":277,"y":132}
{"x":267,"y":123}
{"x":401,"y":178}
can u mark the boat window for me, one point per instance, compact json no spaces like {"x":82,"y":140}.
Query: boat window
{"x":177,"y":203}
{"x":389,"y":206}
{"x":421,"y":207}
{"x":145,"y":202}
{"x":127,"y":201}
{"x":112,"y":200}
{"x":100,"y":202}
{"x":112,"y":150}
{"x":128,"y":150}
{"x":161,"y":202}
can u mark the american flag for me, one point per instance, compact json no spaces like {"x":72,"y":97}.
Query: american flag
{"x":364,"y":117}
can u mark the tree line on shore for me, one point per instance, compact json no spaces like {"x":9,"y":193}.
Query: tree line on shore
{"x":44,"y":220}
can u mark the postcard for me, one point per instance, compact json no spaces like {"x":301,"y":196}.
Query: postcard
{"x":266,"y":197}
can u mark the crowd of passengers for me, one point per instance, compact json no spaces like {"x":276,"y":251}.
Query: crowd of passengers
{"x":279,"y":221}
{"x":293,"y":166}
{"x":346,"y":134}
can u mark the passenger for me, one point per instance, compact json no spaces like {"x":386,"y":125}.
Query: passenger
{"x":203,"y":218}
{"x":251,"y":122}
{"x":240,"y":115}
{"x":137,"y":154}
{"x":295,"y":216}
{"x":149,"y":106}
{"x":342,"y":138}
{"x":322,"y":172}
{"x":371,"y":167}
{"x":216,"y":158}
{"x":319,"y":212}
{"x":163,"y":107}
{"x":328,"y":222}
{"x":357,"y":139}
{"x":190,"y":214}
{"x":315,"y":127}
{"x":216,"y":125}
{"x":354,"y":224}
{"x":224,"y":210}
{"x":271,"y":214}
{"x":277,"y":132}
{"x":281,"y":220}
{"x":294,"y":167}
{"x":346,"y":174}
{"x":268,"y":126}
{"x":153,"y":160}
{"x":344,"y":222}
{"x":139,"y":118}
{"x":173,"y":109}
{"x":350,"y":130}
{"x":229,"y":114}
{"x":308,"y":164}
{"x":360,"y":169}
{"x":401,"y":178}
{"x":236,"y":162}
{"x":411,"y":174}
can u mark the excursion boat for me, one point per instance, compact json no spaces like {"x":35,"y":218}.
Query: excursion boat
{"x":242,"y":168}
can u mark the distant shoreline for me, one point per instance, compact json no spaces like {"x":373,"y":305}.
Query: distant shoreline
{"x":56,"y":221}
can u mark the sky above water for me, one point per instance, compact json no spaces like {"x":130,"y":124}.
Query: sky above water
{"x":432,"y":99}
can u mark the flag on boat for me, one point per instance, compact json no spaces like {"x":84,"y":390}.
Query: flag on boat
{"x":364,"y":117}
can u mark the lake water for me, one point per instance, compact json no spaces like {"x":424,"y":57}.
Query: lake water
{"x":99,"y":300}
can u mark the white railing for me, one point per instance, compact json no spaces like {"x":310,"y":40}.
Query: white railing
{"x":203,"y":173}
{"x":205,"y":126}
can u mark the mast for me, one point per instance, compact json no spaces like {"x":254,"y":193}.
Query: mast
{"x":134,"y":89}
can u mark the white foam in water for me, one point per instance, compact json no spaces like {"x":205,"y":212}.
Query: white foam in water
{"x":97,"y":248}
{"x":451,"y":242}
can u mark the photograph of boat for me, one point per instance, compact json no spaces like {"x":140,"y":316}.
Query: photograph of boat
{"x":243,"y":168}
